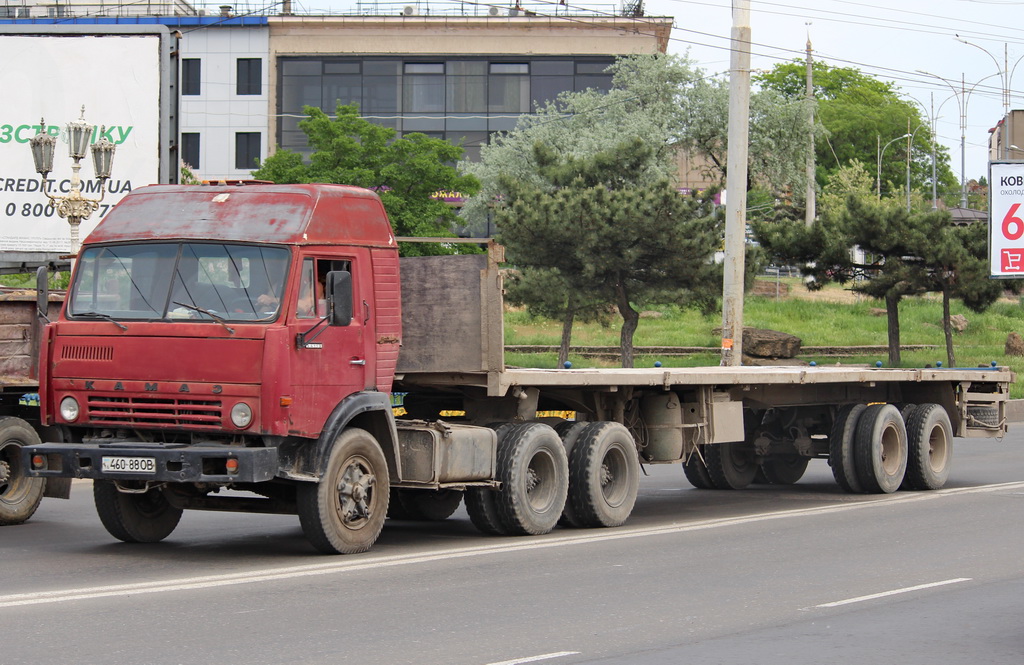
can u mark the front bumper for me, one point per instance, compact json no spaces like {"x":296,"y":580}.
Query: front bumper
{"x":175,"y":463}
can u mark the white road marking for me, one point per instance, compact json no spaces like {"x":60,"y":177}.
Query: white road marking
{"x":534,"y":659}
{"x":352,"y":564}
{"x":894,"y":592}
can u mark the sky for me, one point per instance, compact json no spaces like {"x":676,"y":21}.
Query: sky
{"x":895,"y":41}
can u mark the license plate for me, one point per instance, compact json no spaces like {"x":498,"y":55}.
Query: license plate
{"x":129,"y":464}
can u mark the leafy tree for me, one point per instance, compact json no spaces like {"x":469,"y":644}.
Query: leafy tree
{"x":856,"y":111}
{"x":609,"y":237}
{"x":406,"y":172}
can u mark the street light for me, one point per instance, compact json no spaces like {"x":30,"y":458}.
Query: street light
{"x":963,"y":97}
{"x":910,"y":145}
{"x":1006,"y":78}
{"x":74,"y":207}
{"x":881,"y":152}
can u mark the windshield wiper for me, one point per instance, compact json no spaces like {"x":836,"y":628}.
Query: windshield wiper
{"x":105,"y":317}
{"x":207,"y":312}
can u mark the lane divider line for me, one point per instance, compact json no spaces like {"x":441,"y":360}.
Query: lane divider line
{"x":894,"y":592}
{"x":534,"y":659}
{"x":520,"y":544}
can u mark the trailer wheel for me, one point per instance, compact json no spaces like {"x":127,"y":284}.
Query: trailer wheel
{"x":481,"y":502}
{"x":696,"y":471}
{"x":427,"y":505}
{"x":534,"y":475}
{"x":569,"y":432}
{"x":19,"y":496}
{"x":840,"y":447}
{"x":344,"y":512}
{"x":784,"y":469}
{"x":930,"y":445}
{"x":147,"y":517}
{"x":731,"y":466}
{"x":880,"y":449}
{"x":604,"y":475}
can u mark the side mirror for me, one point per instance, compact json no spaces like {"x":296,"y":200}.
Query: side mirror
{"x":339,"y":297}
{"x":42,"y":293}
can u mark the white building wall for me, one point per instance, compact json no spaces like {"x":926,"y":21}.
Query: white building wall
{"x":218,"y":112}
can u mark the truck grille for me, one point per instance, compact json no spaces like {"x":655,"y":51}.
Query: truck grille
{"x":168,"y":412}
{"x":73,"y":352}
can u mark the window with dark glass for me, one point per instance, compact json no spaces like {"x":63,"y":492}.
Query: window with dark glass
{"x":247,"y":150}
{"x":190,"y":68}
{"x":250,"y":76}
{"x":423,"y":87}
{"x":508,"y":88}
{"x":190,"y":149}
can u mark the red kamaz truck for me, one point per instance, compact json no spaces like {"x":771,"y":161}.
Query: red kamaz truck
{"x":237,"y":348}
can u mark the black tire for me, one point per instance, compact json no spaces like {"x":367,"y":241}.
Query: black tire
{"x":986,"y":416}
{"x":840,"y":447}
{"x":534,"y":475}
{"x":481,"y":502}
{"x":134,"y":518}
{"x":427,"y":505}
{"x":930,"y":448}
{"x":19,"y":496}
{"x":344,"y":512}
{"x":604,"y":475}
{"x":784,"y":469}
{"x":732,"y":466}
{"x":696,"y":471}
{"x":880,"y":449}
{"x":569,"y":432}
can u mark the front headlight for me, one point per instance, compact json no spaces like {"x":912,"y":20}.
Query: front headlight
{"x":241,"y":415}
{"x":69,"y":409}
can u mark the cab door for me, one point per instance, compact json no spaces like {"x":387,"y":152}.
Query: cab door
{"x":328,"y":362}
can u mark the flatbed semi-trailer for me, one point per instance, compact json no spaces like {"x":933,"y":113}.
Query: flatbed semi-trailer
{"x":190,"y":358}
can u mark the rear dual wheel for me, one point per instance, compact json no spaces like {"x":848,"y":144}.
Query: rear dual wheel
{"x":604,"y":475}
{"x":880,"y":449}
{"x":19,"y":496}
{"x":930,"y":443}
{"x":142,"y":516}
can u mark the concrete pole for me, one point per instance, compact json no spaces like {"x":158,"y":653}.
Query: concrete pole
{"x":963,"y":141}
{"x":935,"y":191}
{"x":736,"y":186}
{"x":810,"y":199}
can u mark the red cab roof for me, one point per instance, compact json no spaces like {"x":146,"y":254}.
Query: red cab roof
{"x":314,"y":214}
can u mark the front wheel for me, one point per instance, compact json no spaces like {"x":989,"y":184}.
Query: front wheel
{"x":344,"y":512}
{"x":135,"y":517}
{"x":19,"y":496}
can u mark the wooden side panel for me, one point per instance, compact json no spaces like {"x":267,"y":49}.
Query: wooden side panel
{"x":18,"y":331}
{"x":445,"y":314}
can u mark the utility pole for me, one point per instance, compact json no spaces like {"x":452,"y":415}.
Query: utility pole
{"x":810,"y":199}
{"x":736,"y":186}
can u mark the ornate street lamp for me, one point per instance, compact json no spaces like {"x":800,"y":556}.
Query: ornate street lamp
{"x":74,"y":207}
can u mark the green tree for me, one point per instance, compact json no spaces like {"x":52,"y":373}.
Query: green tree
{"x":611,"y":238}
{"x":858,"y":112}
{"x":406,"y":172}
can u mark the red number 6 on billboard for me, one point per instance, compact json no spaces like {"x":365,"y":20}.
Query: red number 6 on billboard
{"x":1013,"y":226}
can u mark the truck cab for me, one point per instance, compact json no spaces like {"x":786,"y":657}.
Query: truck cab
{"x":219,"y":335}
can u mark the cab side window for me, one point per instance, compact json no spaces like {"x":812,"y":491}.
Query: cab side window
{"x":312,"y":280}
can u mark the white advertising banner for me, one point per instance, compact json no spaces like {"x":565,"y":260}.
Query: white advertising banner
{"x":117,"y":79}
{"x":1006,"y":219}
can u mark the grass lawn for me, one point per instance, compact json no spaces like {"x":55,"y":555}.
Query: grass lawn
{"x":832,"y":317}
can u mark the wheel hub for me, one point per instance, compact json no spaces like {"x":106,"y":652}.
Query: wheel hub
{"x":606,"y":475}
{"x":5,"y":472}
{"x":532,"y":480}
{"x":355,"y":492}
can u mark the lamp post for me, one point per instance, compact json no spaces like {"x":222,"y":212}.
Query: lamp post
{"x":1005,"y":78}
{"x":963,"y":97}
{"x":910,"y":145}
{"x":881,"y":151}
{"x":73,"y":207}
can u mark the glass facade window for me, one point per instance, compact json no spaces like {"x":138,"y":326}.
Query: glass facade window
{"x":190,"y":149}
{"x":247,"y":150}
{"x":458,"y":99}
{"x":250,"y":76}
{"x":190,"y":69}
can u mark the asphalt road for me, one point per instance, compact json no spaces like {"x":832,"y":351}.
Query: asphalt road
{"x":804,"y":574}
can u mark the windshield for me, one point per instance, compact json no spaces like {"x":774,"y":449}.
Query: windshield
{"x":208,"y":281}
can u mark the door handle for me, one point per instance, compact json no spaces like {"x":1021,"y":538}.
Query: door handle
{"x":359,"y":361}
